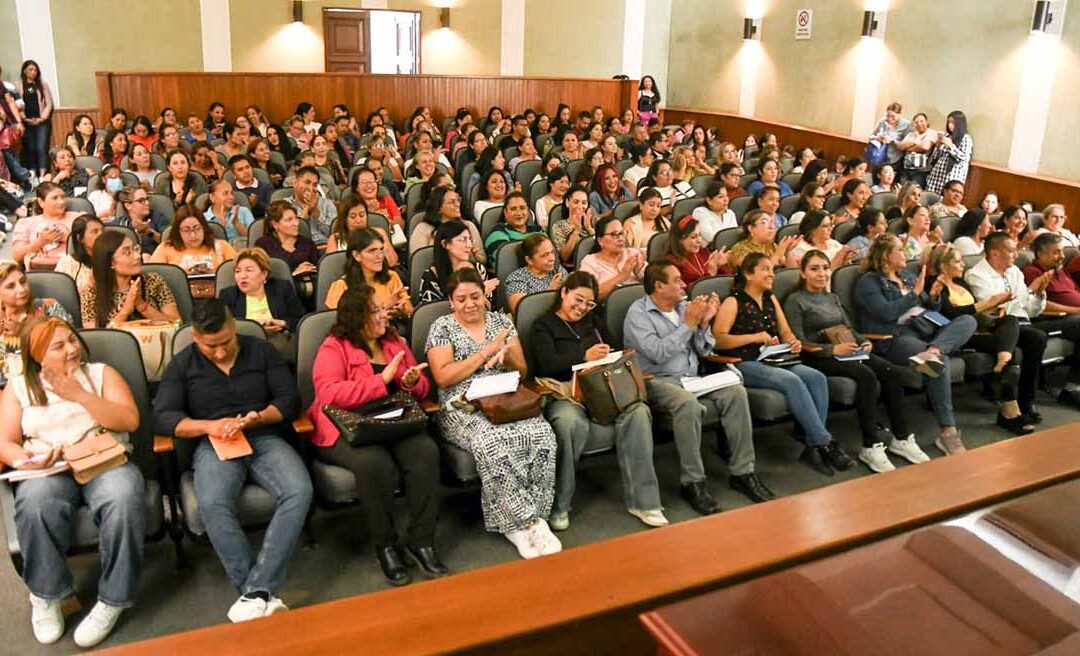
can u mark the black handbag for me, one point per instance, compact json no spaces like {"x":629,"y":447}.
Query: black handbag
{"x":362,"y":427}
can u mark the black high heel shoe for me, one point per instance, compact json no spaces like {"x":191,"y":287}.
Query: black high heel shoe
{"x":1018,"y":425}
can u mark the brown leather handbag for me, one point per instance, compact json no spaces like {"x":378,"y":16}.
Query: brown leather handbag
{"x":609,"y":390}
{"x":522,"y":403}
{"x":96,"y":453}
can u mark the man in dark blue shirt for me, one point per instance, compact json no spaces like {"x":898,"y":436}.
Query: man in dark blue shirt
{"x":221,"y":385}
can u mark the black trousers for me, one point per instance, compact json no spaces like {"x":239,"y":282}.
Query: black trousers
{"x":376,"y":470}
{"x":867,"y":375}
{"x":1068,"y":328}
{"x":1009,"y":335}
{"x":8,"y":202}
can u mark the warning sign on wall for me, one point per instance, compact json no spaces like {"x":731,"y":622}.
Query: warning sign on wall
{"x":804,"y":23}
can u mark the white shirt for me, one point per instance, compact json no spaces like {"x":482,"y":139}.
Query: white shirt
{"x":986,"y":282}
{"x":1066,"y":236}
{"x":633,"y":176}
{"x":967,"y":246}
{"x":710,"y":224}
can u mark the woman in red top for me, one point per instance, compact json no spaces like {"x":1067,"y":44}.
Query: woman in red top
{"x":365,"y":184}
{"x":363,"y":360}
{"x":690,"y":255}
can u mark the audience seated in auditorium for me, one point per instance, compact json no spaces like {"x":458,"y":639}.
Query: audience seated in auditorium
{"x":18,"y":307}
{"x":191,"y":244}
{"x":352,"y":215}
{"x":514,"y":225}
{"x":768,"y":172}
{"x":119,"y":290}
{"x":284,"y":241}
{"x":670,"y":335}
{"x":870,"y":226}
{"x":516,"y":460}
{"x":856,"y":193}
{"x":56,"y":400}
{"x":661,"y":178}
{"x":244,"y":182}
{"x":605,"y":191}
{"x":643,"y":158}
{"x":715,"y":215}
{"x":758,"y":236}
{"x":916,"y":232}
{"x":493,"y":190}
{"x":648,"y":219}
{"x":222,"y":209}
{"x":83,"y":140}
{"x":205,"y":162}
{"x":971,"y":231}
{"x":310,"y":205}
{"x":886,"y":293}
{"x":362,"y":361}
{"x":258,"y":151}
{"x":579,"y":221}
{"x":1054,"y":219}
{"x":115,"y":148}
{"x":815,"y":233}
{"x":62,"y":171}
{"x":558,"y":186}
{"x":234,"y":389}
{"x":539,"y":270}
{"x":182,"y":185}
{"x":611,"y":261}
{"x":951,"y":203}
{"x":39,"y":241}
{"x":444,"y":205}
{"x":366,"y":266}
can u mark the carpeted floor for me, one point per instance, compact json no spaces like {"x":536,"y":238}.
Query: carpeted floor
{"x":342,"y":564}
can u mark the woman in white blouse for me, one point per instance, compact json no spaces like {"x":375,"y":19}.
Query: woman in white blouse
{"x":714,"y":215}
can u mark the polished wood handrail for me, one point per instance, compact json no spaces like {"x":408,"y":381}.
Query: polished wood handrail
{"x":569,"y":598}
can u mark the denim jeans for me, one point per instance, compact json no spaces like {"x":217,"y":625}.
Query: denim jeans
{"x":35,"y":146}
{"x":43,"y":512}
{"x":806,"y":391}
{"x":19,"y":174}
{"x":633,"y":449}
{"x":276,"y":467}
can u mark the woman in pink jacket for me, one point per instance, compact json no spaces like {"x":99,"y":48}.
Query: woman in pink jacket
{"x":363,"y":360}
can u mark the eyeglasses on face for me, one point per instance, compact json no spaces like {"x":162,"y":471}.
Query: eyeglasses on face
{"x":618,"y":234}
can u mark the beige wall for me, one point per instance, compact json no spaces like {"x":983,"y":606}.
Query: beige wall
{"x":809,"y":82}
{"x":703,"y":68}
{"x":573,"y":38}
{"x":265,"y":39}
{"x":10,"y":45}
{"x":1059,"y":157}
{"x":654,"y":60}
{"x":977,"y":71}
{"x":106,"y":35}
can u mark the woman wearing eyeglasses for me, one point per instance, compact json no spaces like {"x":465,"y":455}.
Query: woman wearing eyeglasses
{"x":121,"y":291}
{"x":611,"y":262}
{"x":191,"y":244}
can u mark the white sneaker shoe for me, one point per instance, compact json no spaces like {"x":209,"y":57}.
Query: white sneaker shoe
{"x":874,"y":457}
{"x":525,"y":542}
{"x":545,"y":540}
{"x":245,"y":608}
{"x":47,"y":619}
{"x":559,"y":521}
{"x":654,"y":518}
{"x":275,"y":605}
{"x":97,"y":625}
{"x":909,"y":450}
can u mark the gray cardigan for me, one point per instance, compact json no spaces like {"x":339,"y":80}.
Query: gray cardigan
{"x":809,"y":313}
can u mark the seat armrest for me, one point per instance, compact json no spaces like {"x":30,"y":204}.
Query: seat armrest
{"x":811,"y":348}
{"x":303,"y":426}
{"x":429,"y":406}
{"x":532,"y":385}
{"x":876,"y":337}
{"x":722,"y":359}
{"x":163,"y":444}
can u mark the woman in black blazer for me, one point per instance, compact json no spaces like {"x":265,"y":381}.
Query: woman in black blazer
{"x":268,"y":301}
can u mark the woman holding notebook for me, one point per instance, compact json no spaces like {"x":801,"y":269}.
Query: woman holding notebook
{"x":818,"y":319}
{"x":567,"y":335}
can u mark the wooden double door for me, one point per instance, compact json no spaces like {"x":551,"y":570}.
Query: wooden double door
{"x":347,"y":36}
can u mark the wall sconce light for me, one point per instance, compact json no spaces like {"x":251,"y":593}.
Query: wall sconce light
{"x":444,"y":17}
{"x":751,"y":29}
{"x":871,"y":24}
{"x":1043,"y":17}
{"x":297,"y":11}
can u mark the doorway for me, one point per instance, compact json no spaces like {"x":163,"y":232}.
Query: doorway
{"x":372,"y":41}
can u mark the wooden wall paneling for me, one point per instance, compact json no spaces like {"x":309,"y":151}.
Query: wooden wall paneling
{"x":63,"y":119}
{"x":278,"y":93}
{"x":586,"y":598}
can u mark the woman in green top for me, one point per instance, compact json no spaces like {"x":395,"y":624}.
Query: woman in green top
{"x":515,"y":225}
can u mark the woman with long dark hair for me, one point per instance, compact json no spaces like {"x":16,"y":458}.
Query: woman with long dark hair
{"x":951,"y":156}
{"x":365,"y":266}
{"x":121,"y":291}
{"x":453,"y":251}
{"x":76,"y":264}
{"x":648,"y":101}
{"x":37,"y":113}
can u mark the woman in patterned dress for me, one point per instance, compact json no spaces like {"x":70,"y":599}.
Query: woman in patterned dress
{"x":516,"y":461}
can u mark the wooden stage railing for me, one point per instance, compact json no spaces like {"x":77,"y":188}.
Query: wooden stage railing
{"x":1011,"y":186}
{"x":277,"y":94}
{"x":586,"y":600}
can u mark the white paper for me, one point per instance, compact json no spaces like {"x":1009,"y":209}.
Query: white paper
{"x":699,"y":385}
{"x":608,"y":359}
{"x":16,"y":475}
{"x":910,"y":314}
{"x":773,"y":349}
{"x":393,"y":414}
{"x":486,"y":386}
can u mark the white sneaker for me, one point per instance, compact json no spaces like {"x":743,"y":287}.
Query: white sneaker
{"x":46,"y":619}
{"x":654,"y":518}
{"x":246,"y":608}
{"x":909,"y":450}
{"x":97,"y":625}
{"x":874,"y":457}
{"x":275,"y":605}
{"x":559,"y":521}
{"x":525,"y":543}
{"x":545,"y":540}
{"x":927,"y":363}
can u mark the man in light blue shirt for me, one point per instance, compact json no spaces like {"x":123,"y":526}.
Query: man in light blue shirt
{"x":670,"y":334}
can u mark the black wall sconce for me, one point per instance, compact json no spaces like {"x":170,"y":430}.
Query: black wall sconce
{"x":1043,"y":17}
{"x":751,"y":29}
{"x":870,"y":23}
{"x":444,"y":17}
{"x":297,"y":11}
